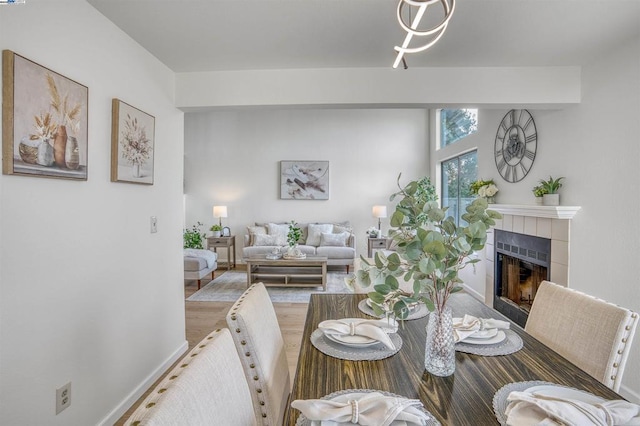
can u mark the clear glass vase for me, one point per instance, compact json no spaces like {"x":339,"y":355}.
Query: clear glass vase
{"x":440,"y":353}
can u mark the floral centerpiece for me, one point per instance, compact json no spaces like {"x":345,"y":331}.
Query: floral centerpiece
{"x":486,"y":189}
{"x":431,"y":251}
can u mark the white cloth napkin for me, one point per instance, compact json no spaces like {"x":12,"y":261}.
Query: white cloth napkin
{"x":469,"y":325}
{"x":373,"y":329}
{"x":366,"y":409}
{"x":553,"y":405}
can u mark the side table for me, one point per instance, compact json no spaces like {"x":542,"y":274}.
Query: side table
{"x":375,"y":244}
{"x":213,"y":243}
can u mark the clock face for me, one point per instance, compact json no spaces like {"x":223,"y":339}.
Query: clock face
{"x":516,"y":144}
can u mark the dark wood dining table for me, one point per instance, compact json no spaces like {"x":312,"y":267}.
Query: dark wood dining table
{"x":464,"y":398}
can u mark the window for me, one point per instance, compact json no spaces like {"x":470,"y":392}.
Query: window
{"x":457,"y":175}
{"x":456,"y":124}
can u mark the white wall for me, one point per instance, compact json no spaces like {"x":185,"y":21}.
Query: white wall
{"x":87,"y":294}
{"x":232,"y":158}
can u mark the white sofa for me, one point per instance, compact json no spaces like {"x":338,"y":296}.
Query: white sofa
{"x":335,"y":241}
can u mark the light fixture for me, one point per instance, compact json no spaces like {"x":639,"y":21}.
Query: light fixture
{"x":220,"y":212}
{"x":379,"y":212}
{"x":435,"y":33}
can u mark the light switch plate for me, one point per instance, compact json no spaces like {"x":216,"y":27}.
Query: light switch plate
{"x":154,"y":224}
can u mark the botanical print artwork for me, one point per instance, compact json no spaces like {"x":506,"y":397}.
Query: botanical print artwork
{"x":132,"y":144}
{"x":304,"y":180}
{"x":44,"y":121}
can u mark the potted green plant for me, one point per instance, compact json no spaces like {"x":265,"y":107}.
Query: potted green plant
{"x":431,"y":251}
{"x":538,"y":192}
{"x":216,"y":230}
{"x":193,"y":237}
{"x":293,"y":236}
{"x":551,"y":186}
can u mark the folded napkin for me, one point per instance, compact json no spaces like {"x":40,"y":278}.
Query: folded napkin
{"x":469,"y":325}
{"x":552,"y":405}
{"x":373,"y":329}
{"x":366,"y":409}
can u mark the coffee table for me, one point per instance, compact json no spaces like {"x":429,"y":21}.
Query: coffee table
{"x":308,"y":272}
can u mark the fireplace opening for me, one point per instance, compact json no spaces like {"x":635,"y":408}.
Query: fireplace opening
{"x":522,"y":262}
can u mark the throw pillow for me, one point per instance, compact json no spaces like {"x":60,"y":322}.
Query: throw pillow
{"x":315,"y":232}
{"x":330,"y":239}
{"x":339,"y":229}
{"x":280,"y":231}
{"x":265,"y":240}
{"x":253,"y":231}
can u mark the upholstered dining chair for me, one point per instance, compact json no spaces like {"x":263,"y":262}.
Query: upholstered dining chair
{"x":206,"y":387}
{"x":593,"y":334}
{"x":256,"y":334}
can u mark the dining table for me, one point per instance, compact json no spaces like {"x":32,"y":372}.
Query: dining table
{"x":463,"y":398}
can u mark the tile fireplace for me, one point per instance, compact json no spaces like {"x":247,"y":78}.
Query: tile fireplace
{"x":521,"y":262}
{"x":551,"y":260}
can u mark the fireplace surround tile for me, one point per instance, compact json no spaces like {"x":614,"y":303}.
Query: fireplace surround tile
{"x":560,"y":229}
{"x":518,"y":224}
{"x":543,"y":227}
{"x":559,"y":252}
{"x":560,"y":274}
{"x":530,"y":227}
{"x":507,"y":222}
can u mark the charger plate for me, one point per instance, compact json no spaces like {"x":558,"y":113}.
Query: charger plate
{"x":369,"y":353}
{"x":431,"y":421}
{"x":512,"y":343}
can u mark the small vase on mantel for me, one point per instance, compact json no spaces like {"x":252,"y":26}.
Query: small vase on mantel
{"x":490,"y":200}
{"x":551,"y":200}
{"x":440,"y":352}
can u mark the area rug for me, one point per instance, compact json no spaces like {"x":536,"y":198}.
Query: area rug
{"x":229,"y":286}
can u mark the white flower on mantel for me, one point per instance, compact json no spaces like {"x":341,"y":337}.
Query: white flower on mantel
{"x":482,"y":191}
{"x":489,"y":190}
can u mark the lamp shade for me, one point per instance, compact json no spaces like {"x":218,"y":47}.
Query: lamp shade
{"x":219,"y":211}
{"x":379,"y":211}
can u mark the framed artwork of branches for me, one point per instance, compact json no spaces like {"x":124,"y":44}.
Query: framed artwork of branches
{"x":44,"y":121}
{"x":132,"y":144}
{"x":304,"y":180}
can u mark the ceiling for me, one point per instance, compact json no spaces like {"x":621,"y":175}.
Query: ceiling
{"x":213,"y":35}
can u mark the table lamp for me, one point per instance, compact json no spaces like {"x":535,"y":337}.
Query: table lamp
{"x":379,"y":212}
{"x":220,"y":212}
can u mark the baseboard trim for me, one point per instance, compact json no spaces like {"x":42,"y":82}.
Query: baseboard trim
{"x":630,"y":394}
{"x":474,"y":293}
{"x":131,"y":399}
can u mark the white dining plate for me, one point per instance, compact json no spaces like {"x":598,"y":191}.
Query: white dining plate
{"x":499,"y":337}
{"x":485,"y":334}
{"x":411,"y":306}
{"x":351,"y":341}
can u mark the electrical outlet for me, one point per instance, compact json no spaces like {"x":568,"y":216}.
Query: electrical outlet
{"x":154,"y":224}
{"x":63,"y":398}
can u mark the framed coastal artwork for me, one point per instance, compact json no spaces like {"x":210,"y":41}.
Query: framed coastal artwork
{"x":44,"y":121}
{"x":304,"y":180}
{"x":132,"y":143}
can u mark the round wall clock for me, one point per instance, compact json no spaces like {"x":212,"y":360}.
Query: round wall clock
{"x":516,"y":144}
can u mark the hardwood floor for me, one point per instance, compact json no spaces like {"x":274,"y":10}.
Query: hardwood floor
{"x":203,"y":317}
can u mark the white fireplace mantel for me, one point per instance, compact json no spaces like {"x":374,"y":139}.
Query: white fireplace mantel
{"x":553,"y":212}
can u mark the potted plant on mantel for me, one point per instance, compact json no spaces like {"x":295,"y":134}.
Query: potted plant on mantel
{"x":550,"y":188}
{"x":216,"y":230}
{"x":431,"y":251}
{"x":538,"y":192}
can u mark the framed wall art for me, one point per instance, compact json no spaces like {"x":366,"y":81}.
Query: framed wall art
{"x":132,"y":143}
{"x":44,"y":121}
{"x":304,"y":180}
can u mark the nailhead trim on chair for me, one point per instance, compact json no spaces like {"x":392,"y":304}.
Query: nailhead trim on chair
{"x":153,"y":402}
{"x":234,"y":308}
